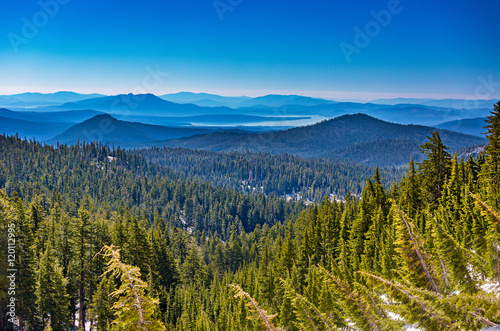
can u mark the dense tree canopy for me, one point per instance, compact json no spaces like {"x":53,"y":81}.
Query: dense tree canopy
{"x":423,"y":252}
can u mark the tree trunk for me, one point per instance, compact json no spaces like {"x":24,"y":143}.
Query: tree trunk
{"x":81,"y":313}
{"x":498,"y":273}
{"x":21,"y":323}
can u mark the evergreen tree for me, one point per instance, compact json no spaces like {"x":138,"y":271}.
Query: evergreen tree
{"x":192,"y":267}
{"x":82,"y":234}
{"x":133,"y":309}
{"x":411,"y":191}
{"x":26,"y":266}
{"x":101,"y":311}
{"x":258,"y":313}
{"x":436,"y":167}
{"x":493,"y":150}
{"x":52,"y":299}
{"x":139,"y":253}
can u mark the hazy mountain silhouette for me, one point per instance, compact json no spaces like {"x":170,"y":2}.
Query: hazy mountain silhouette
{"x":30,"y":129}
{"x":204,"y":99}
{"x":140,"y":104}
{"x":108,"y":129}
{"x":446,"y":103}
{"x":70,"y":116}
{"x":358,"y":137}
{"x":37,"y":99}
{"x":276,"y":100}
{"x":473,"y":126}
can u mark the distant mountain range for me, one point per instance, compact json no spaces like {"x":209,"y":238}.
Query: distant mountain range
{"x":139,"y":104}
{"x":271,"y":100}
{"x":205,"y":99}
{"x":149,"y":105}
{"x":41,"y":126}
{"x":275,"y":100}
{"x":41,"y":99}
{"x":473,"y":126}
{"x":154,"y":120}
{"x":359,"y":138}
{"x":109,"y":130}
{"x":446,"y":103}
{"x":69,"y":116}
{"x":30,"y":130}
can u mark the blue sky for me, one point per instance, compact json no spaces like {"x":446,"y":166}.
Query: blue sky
{"x":427,"y":49}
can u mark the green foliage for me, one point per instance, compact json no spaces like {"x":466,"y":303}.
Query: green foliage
{"x":133,"y":309}
{"x":101,"y":311}
{"x":257,"y":313}
{"x":493,"y":147}
{"x":52,"y":299}
{"x":270,"y":174}
{"x":436,"y":167}
{"x":84,"y":172}
{"x":423,"y":253}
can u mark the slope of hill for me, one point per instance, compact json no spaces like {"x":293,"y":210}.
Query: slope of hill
{"x":70,"y":116}
{"x":358,"y":137}
{"x":30,"y":129}
{"x":270,"y":173}
{"x":107,"y":129}
{"x":473,"y":126}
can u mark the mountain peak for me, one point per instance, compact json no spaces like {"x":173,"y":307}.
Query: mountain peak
{"x":103,"y":116}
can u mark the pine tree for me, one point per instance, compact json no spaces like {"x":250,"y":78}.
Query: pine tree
{"x":164,"y":271}
{"x":52,"y":299}
{"x":82,"y":232}
{"x":493,"y":147}
{"x":436,"y":167}
{"x":138,"y":253}
{"x":454,"y":260}
{"x":234,"y":250}
{"x":286,"y":259}
{"x":192,"y":267}
{"x":372,"y":250}
{"x":26,"y":266}
{"x":101,"y":311}
{"x":266,"y":280}
{"x":133,"y":309}
{"x":411,"y":191}
{"x":416,"y":266}
{"x":361,"y":224}
{"x":258,"y":313}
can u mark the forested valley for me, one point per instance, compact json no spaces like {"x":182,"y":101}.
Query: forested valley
{"x":116,"y":240}
{"x":281,"y":174}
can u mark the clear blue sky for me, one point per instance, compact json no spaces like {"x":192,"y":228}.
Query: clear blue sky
{"x":428,"y":49}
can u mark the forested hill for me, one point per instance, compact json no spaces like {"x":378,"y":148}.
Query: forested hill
{"x":279,"y":174}
{"x":116,"y":179}
{"x":109,"y":130}
{"x":359,"y":138}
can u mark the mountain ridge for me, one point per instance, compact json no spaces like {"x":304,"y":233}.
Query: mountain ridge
{"x":107,"y":129}
{"x":333,"y":139}
{"x":474,"y":126}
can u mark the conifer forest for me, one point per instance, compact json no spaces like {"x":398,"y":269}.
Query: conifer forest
{"x":96,"y":237}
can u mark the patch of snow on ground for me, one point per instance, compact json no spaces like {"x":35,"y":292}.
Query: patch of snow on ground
{"x":490,"y":287}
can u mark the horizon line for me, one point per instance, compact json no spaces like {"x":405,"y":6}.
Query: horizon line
{"x":327,"y":95}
